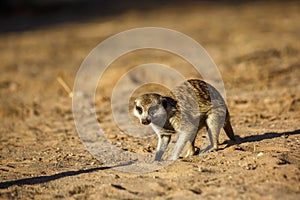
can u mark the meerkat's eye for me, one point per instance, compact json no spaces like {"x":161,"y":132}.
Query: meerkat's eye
{"x":139,"y":109}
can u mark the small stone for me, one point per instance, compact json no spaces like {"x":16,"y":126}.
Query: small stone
{"x":196,"y":189}
{"x":260,"y":154}
{"x":112,"y":136}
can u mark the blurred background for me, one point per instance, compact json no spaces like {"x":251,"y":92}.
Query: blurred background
{"x":19,"y":15}
{"x":255,"y":45}
{"x":30,"y":14}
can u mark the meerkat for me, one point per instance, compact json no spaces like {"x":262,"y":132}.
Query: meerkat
{"x":191,"y":106}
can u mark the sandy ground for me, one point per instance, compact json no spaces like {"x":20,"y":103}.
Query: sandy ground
{"x":257,"y":49}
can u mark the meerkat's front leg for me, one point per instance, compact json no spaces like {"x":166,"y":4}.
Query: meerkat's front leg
{"x":163,"y":141}
{"x":180,"y":144}
{"x":185,"y":138}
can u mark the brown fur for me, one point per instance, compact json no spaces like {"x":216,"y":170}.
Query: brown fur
{"x":194,"y":104}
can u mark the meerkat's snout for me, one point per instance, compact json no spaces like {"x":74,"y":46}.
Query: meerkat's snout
{"x":146,"y":120}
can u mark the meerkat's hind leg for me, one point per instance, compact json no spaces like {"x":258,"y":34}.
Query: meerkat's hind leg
{"x":214,"y":144}
{"x":163,"y":141}
{"x":214,"y":126}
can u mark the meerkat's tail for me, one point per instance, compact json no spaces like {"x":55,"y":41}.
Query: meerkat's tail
{"x":228,"y":128}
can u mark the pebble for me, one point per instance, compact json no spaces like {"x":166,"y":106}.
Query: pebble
{"x":112,"y":136}
{"x":260,"y":154}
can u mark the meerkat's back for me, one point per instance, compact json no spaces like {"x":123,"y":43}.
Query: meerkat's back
{"x":209,"y":100}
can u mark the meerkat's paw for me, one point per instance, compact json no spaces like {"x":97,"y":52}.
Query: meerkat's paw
{"x":210,"y":149}
{"x":190,"y":151}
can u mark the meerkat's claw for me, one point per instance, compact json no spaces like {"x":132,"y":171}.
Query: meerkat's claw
{"x":190,"y":151}
{"x":210,"y":149}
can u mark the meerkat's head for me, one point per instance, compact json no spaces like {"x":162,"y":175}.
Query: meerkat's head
{"x":151,"y":108}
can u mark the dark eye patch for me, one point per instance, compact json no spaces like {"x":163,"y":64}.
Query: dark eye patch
{"x":139,"y":109}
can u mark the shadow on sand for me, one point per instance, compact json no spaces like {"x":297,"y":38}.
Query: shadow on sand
{"x":44,"y":179}
{"x":265,"y":136}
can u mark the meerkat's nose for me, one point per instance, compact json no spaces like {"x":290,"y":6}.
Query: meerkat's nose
{"x":146,"y":121}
